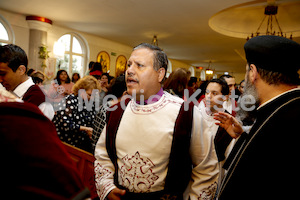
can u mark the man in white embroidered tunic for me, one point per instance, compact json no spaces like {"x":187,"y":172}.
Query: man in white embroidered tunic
{"x":145,"y":151}
{"x":216,"y":93}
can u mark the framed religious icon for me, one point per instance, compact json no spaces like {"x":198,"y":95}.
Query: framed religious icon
{"x":104,"y":59}
{"x":121,"y":65}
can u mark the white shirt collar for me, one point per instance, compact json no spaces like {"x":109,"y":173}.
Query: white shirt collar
{"x":270,"y":100}
{"x":23,"y":87}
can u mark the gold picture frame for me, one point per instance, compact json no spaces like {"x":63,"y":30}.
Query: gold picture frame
{"x":121,"y":65}
{"x":104,"y":59}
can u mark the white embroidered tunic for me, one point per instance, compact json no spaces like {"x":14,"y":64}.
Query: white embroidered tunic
{"x":209,"y":128}
{"x":143,"y":145}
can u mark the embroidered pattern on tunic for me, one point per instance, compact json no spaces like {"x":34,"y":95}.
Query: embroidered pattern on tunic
{"x":151,"y":108}
{"x":136,"y":173}
{"x":209,"y":193}
{"x":101,"y":174}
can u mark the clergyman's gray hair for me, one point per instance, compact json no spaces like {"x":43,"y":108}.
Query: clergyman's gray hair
{"x":160,"y":57}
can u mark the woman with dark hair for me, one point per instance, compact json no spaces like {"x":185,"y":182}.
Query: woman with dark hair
{"x":60,"y":87}
{"x":64,"y":80}
{"x":75,"y":77}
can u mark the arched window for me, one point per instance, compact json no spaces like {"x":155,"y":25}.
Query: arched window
{"x":71,"y":53}
{"x":192,"y":70}
{"x":169,"y":70}
{"x":6,"y":32}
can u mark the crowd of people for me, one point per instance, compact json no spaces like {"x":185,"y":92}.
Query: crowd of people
{"x":155,"y":137}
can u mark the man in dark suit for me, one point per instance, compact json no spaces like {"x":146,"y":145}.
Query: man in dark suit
{"x":13,"y":68}
{"x":262,"y":164}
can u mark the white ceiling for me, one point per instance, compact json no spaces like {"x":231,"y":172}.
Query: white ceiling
{"x":180,"y":25}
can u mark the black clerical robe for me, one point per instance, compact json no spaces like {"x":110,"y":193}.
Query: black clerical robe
{"x":265,"y":166}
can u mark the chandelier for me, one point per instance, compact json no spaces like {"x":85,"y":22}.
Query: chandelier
{"x":154,"y":41}
{"x":251,"y":19}
{"x":209,"y":71}
{"x":272,"y":23}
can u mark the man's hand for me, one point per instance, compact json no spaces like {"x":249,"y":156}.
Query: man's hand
{"x":116,"y":194}
{"x":229,"y":123}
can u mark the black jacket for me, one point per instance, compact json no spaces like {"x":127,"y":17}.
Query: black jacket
{"x":266,"y":164}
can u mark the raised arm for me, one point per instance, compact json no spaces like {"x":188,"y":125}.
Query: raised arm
{"x":229,"y":123}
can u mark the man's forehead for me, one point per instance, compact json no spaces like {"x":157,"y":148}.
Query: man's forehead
{"x":214,"y":87}
{"x":4,"y":67}
{"x":230,"y":80}
{"x":140,"y":55}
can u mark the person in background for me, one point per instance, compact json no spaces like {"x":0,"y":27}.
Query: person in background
{"x":74,"y":117}
{"x":241,"y":87}
{"x":60,"y":88}
{"x":63,"y":80}
{"x":30,"y":72}
{"x":38,"y":78}
{"x":75,"y":77}
{"x":177,"y":82}
{"x":262,"y":164}
{"x":116,"y":89}
{"x":230,"y":104}
{"x":216,"y":93}
{"x":91,"y":66}
{"x":13,"y":68}
{"x":104,"y":84}
{"x":193,"y":85}
{"x":96,"y":70}
{"x":35,"y":164}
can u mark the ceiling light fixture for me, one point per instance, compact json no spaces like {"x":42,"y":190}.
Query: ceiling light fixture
{"x":209,"y":71}
{"x":270,"y":15}
{"x":154,"y":41}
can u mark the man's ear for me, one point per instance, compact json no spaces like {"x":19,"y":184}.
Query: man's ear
{"x":253,"y":73}
{"x":161,"y":74}
{"x":21,"y":70}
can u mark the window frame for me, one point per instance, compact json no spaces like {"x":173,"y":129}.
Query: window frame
{"x":84,"y":54}
{"x":9,"y":30}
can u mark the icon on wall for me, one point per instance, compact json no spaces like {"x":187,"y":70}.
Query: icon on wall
{"x":104,"y":59}
{"x":121,"y":65}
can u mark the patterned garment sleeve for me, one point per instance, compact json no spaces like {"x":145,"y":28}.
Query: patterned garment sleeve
{"x":98,"y":125}
{"x":104,"y":168}
{"x":205,"y":173}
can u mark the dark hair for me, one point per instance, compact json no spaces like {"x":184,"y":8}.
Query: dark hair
{"x":192,"y":80}
{"x":58,"y":74}
{"x":38,"y":77}
{"x":276,"y":78}
{"x":118,"y":86}
{"x":30,"y":71}
{"x":225,"y":76}
{"x":96,"y":67}
{"x":14,"y":56}
{"x":91,"y":65}
{"x":177,"y":81}
{"x":223,"y":83}
{"x":74,"y":75}
{"x":160,"y":57}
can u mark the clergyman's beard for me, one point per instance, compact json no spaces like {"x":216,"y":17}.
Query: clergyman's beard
{"x":248,"y":117}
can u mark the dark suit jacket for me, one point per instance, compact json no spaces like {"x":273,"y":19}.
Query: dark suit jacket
{"x":34,"y":162}
{"x":267,"y":165}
